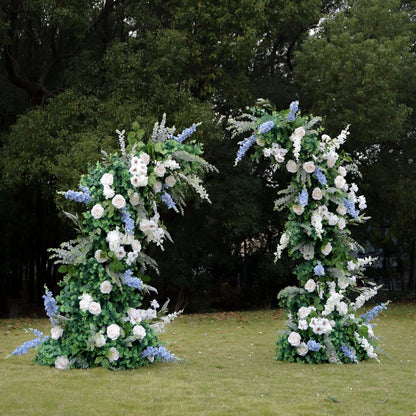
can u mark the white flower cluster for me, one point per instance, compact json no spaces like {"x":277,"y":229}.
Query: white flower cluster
{"x":284,"y":241}
{"x":87,"y":303}
{"x":135,"y":316}
{"x":276,"y":151}
{"x":367,"y":294}
{"x":321,"y":326}
{"x":117,"y":241}
{"x":152,"y":231}
{"x":138,"y":170}
{"x":369,"y":349}
{"x":296,"y":138}
{"x":107,"y":180}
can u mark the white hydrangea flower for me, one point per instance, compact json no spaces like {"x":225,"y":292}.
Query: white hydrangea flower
{"x":85,"y":300}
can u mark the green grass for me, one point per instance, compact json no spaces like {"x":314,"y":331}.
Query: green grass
{"x":229,"y":370}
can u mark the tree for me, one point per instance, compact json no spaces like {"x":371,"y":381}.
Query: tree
{"x":357,"y":69}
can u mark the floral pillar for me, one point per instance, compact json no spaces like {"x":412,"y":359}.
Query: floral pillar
{"x":322,"y":322}
{"x":98,"y":319}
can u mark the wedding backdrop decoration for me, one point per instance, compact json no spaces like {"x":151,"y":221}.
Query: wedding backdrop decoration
{"x":98,"y":319}
{"x":322,"y":320}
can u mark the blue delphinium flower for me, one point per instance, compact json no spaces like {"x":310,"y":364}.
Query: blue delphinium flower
{"x":128,"y":221}
{"x":313,"y":345}
{"x":79,"y":196}
{"x":28,"y":345}
{"x":158,"y":352}
{"x":348,"y":352}
{"x":294,"y":107}
{"x":167,"y":199}
{"x":320,"y":176}
{"x":319,"y":269}
{"x":132,"y":281}
{"x":371,"y":315}
{"x":244,"y":146}
{"x":351,"y":208}
{"x":185,"y":134}
{"x":302,"y":198}
{"x":50,"y":306}
{"x":266,"y":126}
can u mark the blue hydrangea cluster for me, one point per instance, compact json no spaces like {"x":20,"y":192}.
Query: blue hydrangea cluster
{"x":294,"y":107}
{"x":351,"y":208}
{"x":185,"y":134}
{"x":28,"y":345}
{"x":266,"y":126}
{"x":158,"y":352}
{"x":50,"y":306}
{"x":128,"y":221}
{"x":244,"y":146}
{"x":371,"y":315}
{"x":302,"y":198}
{"x":167,"y":199}
{"x":132,"y":281}
{"x":319,"y":269}
{"x":313,"y":345}
{"x":348,"y":352}
{"x":320,"y":176}
{"x":79,"y":196}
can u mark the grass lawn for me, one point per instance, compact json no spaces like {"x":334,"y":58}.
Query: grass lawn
{"x":228,"y":370}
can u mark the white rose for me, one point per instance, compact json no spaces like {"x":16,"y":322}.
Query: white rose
{"x":145,"y":158}
{"x":327,"y":249}
{"x":139,"y":331}
{"x":98,"y":256}
{"x":342,"y":171}
{"x":106,"y":287}
{"x":61,"y":362}
{"x":142,"y":180}
{"x":94,"y":308}
{"x":291,"y":166}
{"x":298,"y":209}
{"x":310,"y":285}
{"x":107,"y":179}
{"x":302,"y":349}
{"x":113,"y":331}
{"x":332,"y":219}
{"x":341,"y":210}
{"x":299,"y":133}
{"x":157,"y":187}
{"x":131,"y":256}
{"x":309,"y":167}
{"x":341,"y":223}
{"x":294,"y":339}
{"x":136,"y":246}
{"x":135,"y":315}
{"x":100,"y":340}
{"x":317,"y":194}
{"x":303,"y":312}
{"x":97,"y":211}
{"x":159,"y":170}
{"x":108,"y":192}
{"x":56,"y":332}
{"x":170,"y":181}
{"x":118,"y":201}
{"x":114,"y":356}
{"x":339,"y":181}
